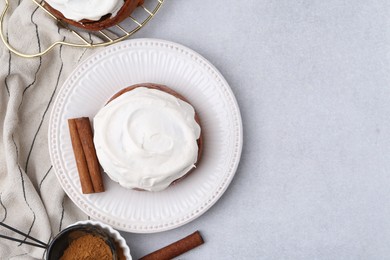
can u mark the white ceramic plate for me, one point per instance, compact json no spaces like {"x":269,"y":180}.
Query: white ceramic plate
{"x":138,"y":61}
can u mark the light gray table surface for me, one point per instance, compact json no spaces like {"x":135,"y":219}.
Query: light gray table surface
{"x":311,"y":78}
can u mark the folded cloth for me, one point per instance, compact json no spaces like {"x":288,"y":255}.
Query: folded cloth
{"x":31,"y":198}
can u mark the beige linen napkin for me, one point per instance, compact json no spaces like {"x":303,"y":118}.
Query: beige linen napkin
{"x":31,"y":198}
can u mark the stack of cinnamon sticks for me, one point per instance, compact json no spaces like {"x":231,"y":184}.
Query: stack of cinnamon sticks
{"x":85,"y":154}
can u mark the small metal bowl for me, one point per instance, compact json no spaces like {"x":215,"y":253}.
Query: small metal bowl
{"x":113,"y":239}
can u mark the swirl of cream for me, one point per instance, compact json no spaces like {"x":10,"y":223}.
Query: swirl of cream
{"x":146,"y":139}
{"x":86,"y":9}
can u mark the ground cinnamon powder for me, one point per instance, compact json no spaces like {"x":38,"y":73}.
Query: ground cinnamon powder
{"x":87,"y":247}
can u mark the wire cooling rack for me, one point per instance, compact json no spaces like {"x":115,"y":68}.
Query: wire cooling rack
{"x":137,"y":20}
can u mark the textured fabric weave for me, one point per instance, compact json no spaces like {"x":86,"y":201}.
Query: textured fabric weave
{"x":31,"y":198}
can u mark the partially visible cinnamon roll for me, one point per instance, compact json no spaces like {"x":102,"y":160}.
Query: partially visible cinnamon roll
{"x":93,"y":15}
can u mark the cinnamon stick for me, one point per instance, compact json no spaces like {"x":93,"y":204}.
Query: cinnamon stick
{"x":177,"y":248}
{"x":81,"y":162}
{"x":86,"y":137}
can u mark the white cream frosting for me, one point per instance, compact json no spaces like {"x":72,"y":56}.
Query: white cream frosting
{"x":146,"y":139}
{"x":86,"y":9}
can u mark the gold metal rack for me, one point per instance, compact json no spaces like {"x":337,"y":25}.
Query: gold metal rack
{"x":139,"y":18}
